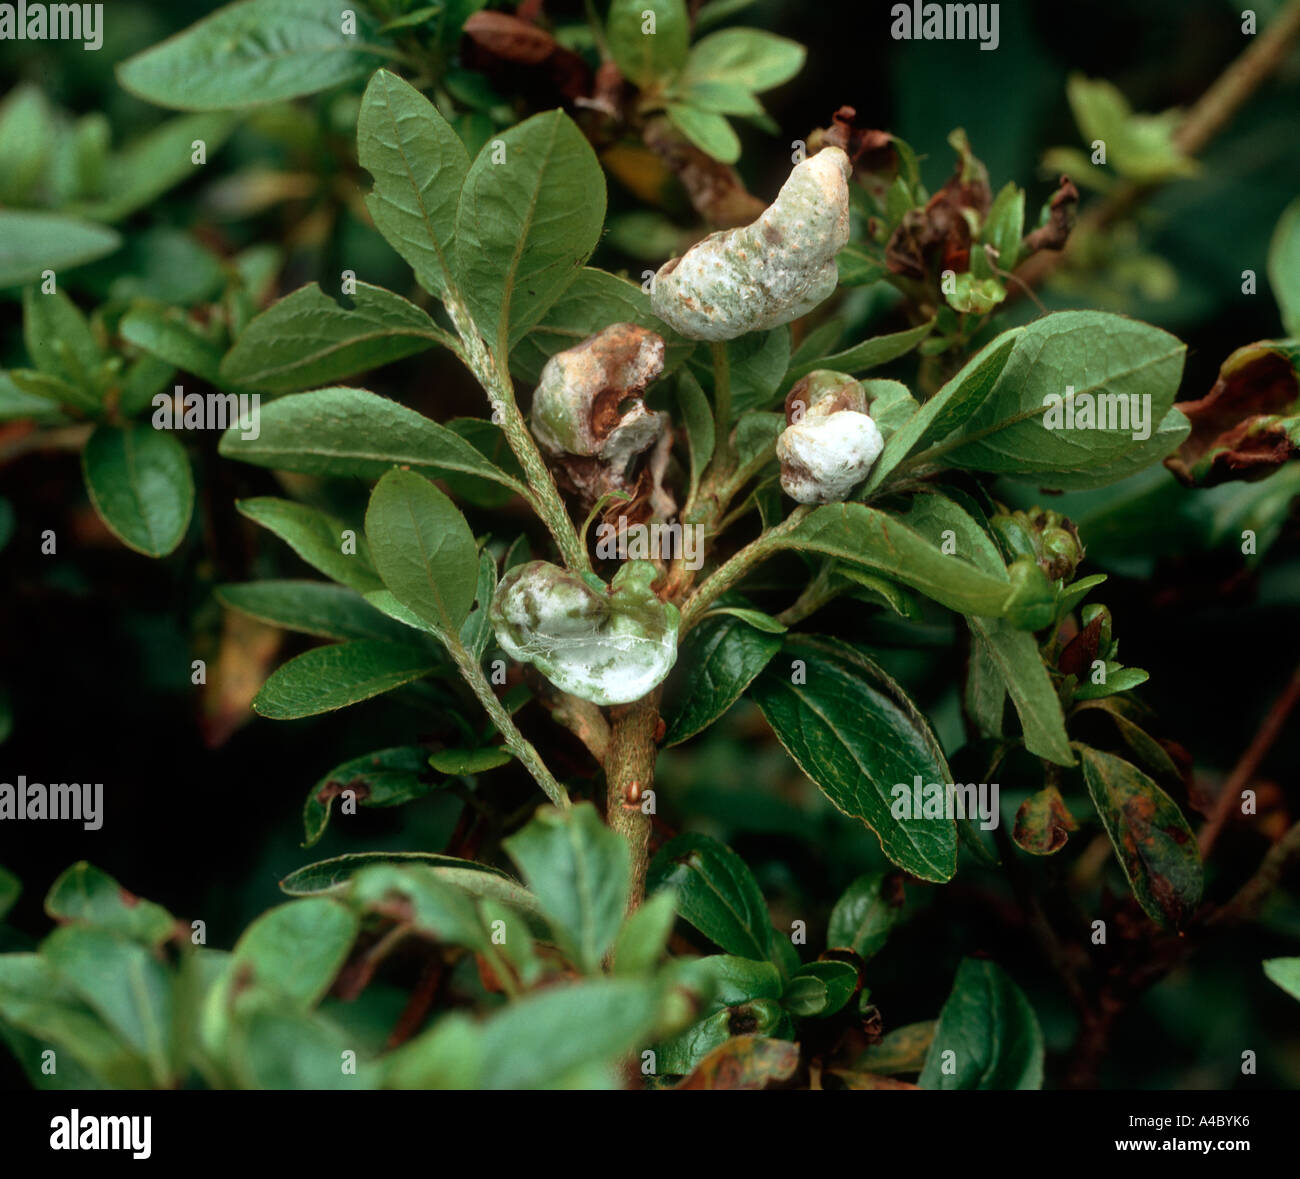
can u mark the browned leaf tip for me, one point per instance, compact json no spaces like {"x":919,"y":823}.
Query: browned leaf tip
{"x":715,"y":190}
{"x":1060,"y":220}
{"x":1238,"y":428}
{"x":937,"y":238}
{"x":745,"y":1062}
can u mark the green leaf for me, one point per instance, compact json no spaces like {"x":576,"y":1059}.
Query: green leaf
{"x":741,"y":993}
{"x":856,"y":734}
{"x":863,"y":916}
{"x":1106,"y":360}
{"x":1118,"y":679}
{"x":880,"y":542}
{"x":345,"y":432}
{"x":59,"y":338}
{"x":252,"y":52}
{"x":578,"y":869}
{"x":869,"y":354}
{"x":17,"y":403}
{"x":37,"y":1001}
{"x":173,"y":338}
{"x":307,"y":339}
{"x":162,"y":158}
{"x":1154,"y":844}
{"x":820,"y":988}
{"x":697,"y":418}
{"x":415,"y":894}
{"x":311,"y":607}
{"x":749,"y":58}
{"x":86,"y":896}
{"x":295,"y":950}
{"x":387,"y":777}
{"x":317,"y":538}
{"x":644,"y":936}
{"x":1004,"y":226}
{"x":857,"y":268}
{"x":1139,"y":147}
{"x":708,"y":130}
{"x":723,"y":655}
{"x":591,"y":302}
{"x":27,"y":135}
{"x":32,"y":242}
{"x":1019,"y":667}
{"x":648,"y":53}
{"x":327,"y":678}
{"x":141,"y":485}
{"x":567,"y":1036}
{"x":477,"y":880}
{"x":722,"y":98}
{"x":1284,"y":266}
{"x":279,"y":1049}
{"x":470,"y":761}
{"x":960,"y":396}
{"x":526,"y":224}
{"x":126,"y":984}
{"x":991,"y":1032}
{"x":755,"y":618}
{"x":1286,"y":973}
{"x":423,"y":549}
{"x":716,"y":893}
{"x":757,"y":362}
{"x":419,"y":166}
{"x":476,"y":630}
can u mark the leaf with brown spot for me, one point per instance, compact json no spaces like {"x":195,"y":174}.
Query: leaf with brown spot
{"x":1043,"y":823}
{"x":1155,"y":845}
{"x":745,"y":1062}
{"x":902,"y":1051}
{"x":1248,"y":424}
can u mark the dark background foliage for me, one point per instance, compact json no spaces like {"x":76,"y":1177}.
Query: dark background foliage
{"x":96,"y":642}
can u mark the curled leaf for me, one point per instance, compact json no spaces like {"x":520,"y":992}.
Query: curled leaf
{"x":1247,"y":425}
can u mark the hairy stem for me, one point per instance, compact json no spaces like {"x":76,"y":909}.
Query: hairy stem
{"x":629,"y":773}
{"x":732,"y":570}
{"x":515,"y":741}
{"x":495,"y":379}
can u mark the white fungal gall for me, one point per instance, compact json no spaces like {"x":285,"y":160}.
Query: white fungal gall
{"x":607,"y":647}
{"x":831,"y":442}
{"x":588,"y":401}
{"x":768,"y":273}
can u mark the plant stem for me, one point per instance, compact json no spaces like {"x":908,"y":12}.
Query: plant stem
{"x":1207,"y":117}
{"x":721,"y":404}
{"x":494,"y":378}
{"x":629,"y":773}
{"x":1248,"y":764}
{"x":515,"y":741}
{"x":732,"y":570}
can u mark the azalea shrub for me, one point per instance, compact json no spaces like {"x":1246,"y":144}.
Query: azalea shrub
{"x":674,"y":555}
